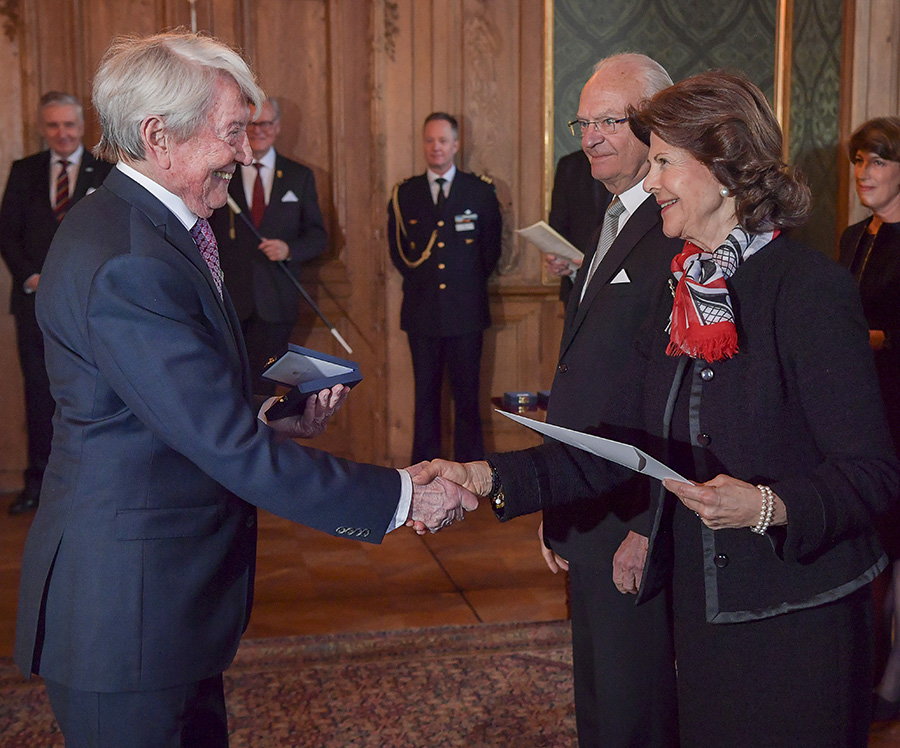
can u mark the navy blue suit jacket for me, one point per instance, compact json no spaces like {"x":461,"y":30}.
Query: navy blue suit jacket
{"x":254,"y":282}
{"x":144,"y":542}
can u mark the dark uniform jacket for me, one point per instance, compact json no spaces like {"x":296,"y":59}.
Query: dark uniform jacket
{"x":445,"y":259}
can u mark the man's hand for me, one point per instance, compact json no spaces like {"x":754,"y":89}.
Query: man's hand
{"x":473,"y":476}
{"x":275,"y":249}
{"x":628,"y":563}
{"x":438,"y":504}
{"x":553,"y":561}
{"x":318,"y":411}
{"x":558,"y":266}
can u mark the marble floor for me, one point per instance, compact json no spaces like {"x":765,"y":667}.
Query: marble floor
{"x":310,"y":583}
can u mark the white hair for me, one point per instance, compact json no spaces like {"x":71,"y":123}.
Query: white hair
{"x":653,"y":75}
{"x":58,"y":98}
{"x":170,"y":75}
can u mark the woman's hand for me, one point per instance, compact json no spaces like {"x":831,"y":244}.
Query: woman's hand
{"x":725,"y":502}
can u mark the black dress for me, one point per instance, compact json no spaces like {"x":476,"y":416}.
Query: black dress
{"x":876,"y":266}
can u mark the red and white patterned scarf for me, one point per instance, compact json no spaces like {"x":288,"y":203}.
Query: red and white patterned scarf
{"x":702,"y":322}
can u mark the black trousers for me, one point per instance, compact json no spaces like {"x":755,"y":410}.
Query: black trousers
{"x":624,"y":665}
{"x":264,"y":340}
{"x":460,"y":356}
{"x":39,"y":404}
{"x":188,"y":716}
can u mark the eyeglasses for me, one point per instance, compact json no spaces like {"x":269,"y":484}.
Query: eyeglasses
{"x":264,"y":125}
{"x":606,"y":126}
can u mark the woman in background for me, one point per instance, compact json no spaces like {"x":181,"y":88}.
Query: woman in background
{"x":871,"y":250}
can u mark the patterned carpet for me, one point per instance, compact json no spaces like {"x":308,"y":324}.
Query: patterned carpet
{"x":470,"y":686}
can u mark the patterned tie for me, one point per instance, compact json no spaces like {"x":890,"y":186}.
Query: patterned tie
{"x":441,"y":197}
{"x":607,"y":237}
{"x":61,"y":204}
{"x":206,"y":241}
{"x":259,"y":198}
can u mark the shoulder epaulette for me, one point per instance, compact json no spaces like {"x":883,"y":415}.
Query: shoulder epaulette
{"x":485,"y":178}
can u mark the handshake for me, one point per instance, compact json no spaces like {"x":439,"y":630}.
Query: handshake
{"x":444,"y":491}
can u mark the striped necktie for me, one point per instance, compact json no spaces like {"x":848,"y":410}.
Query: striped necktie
{"x":63,"y":201}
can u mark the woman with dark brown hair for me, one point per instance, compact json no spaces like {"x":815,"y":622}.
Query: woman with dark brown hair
{"x":871,"y":250}
{"x":757,"y":384}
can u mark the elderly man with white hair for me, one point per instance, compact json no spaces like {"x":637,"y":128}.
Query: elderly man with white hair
{"x":137,"y":578}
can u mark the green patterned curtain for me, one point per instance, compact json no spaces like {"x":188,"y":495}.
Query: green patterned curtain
{"x":690,"y":36}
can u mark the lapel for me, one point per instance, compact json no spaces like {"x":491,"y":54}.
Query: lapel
{"x":179,"y":238}
{"x":278,"y":187}
{"x":645,"y":218}
{"x":236,"y":190}
{"x":85,"y":178}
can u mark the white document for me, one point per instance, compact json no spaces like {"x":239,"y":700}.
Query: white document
{"x":618,"y":452}
{"x":550,"y":241}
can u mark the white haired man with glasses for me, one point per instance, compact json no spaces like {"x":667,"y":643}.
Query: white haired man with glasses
{"x":623,"y":661}
{"x":279,"y":196}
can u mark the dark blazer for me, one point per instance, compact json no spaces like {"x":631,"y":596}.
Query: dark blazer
{"x":27,"y":222}
{"x":797,"y":408}
{"x":446,"y":294}
{"x":254,"y":282}
{"x":577,"y":205}
{"x":145,"y":539}
{"x":597,"y":341}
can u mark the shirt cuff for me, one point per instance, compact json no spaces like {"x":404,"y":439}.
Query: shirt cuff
{"x":402,"y":513}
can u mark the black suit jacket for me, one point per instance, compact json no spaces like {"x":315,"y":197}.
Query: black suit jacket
{"x":254,"y":282}
{"x":797,"y":408}
{"x":577,"y":205}
{"x":598,"y":339}
{"x":27,"y":222}
{"x":446,"y":294}
{"x":144,"y":542}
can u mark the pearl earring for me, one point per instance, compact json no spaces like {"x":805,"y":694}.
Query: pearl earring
{"x":724,"y":192}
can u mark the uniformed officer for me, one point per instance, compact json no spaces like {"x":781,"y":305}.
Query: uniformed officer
{"x":444,"y":230}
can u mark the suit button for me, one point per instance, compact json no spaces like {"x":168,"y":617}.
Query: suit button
{"x":442,"y":286}
{"x":707,"y":374}
{"x":704,"y":440}
{"x":562,"y":368}
{"x":250,"y":521}
{"x":721,"y":560}
{"x":440,"y":244}
{"x":440,"y":223}
{"x":441,"y":266}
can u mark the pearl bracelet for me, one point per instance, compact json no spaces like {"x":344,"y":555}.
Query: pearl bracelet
{"x":766,"y":512}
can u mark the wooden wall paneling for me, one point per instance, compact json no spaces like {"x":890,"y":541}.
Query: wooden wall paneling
{"x":403,"y":69}
{"x":12,"y":146}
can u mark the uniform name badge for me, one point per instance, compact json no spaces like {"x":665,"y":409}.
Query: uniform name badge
{"x":465,"y":221}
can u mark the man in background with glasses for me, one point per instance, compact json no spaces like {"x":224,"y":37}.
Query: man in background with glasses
{"x":623,"y":660}
{"x":279,"y":196}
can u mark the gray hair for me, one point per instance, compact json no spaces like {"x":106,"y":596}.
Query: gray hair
{"x":653,"y":76}
{"x":58,"y":98}
{"x":170,"y":75}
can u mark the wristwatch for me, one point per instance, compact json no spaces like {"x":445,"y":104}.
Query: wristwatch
{"x":496,"y":496}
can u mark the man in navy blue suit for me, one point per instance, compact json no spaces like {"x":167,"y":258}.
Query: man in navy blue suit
{"x":39,"y":192}
{"x":137,"y":577}
{"x":444,"y":231}
{"x":279,"y":196}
